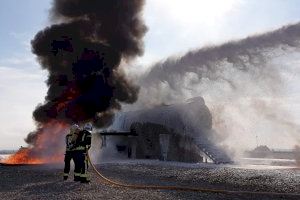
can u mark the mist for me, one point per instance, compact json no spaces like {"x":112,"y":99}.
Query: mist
{"x":248,"y":85}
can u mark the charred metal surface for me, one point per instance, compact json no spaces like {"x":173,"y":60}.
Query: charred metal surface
{"x":118,"y":133}
{"x":180,"y":147}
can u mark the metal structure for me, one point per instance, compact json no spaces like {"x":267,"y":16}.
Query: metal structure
{"x":189,"y":126}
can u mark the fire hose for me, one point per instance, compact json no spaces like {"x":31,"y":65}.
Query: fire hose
{"x":182,"y":188}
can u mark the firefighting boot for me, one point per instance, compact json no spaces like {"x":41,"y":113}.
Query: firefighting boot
{"x":77,"y":178}
{"x":85,"y":181}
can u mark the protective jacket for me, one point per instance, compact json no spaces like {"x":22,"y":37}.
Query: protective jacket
{"x":83,"y":144}
{"x":69,"y":142}
{"x":83,"y":141}
{"x":69,"y":155}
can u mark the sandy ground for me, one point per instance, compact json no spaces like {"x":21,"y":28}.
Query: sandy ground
{"x":45,"y":181}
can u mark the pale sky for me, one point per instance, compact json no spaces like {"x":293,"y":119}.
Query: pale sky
{"x":175,"y":26}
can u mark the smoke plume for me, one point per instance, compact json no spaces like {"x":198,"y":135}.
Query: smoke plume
{"x":82,"y":55}
{"x":232,"y":78}
{"x":82,"y":52}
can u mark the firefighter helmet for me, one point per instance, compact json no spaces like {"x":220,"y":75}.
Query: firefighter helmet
{"x":74,"y":128}
{"x":88,"y":127}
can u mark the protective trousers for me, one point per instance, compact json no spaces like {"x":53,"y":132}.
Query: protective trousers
{"x":78,"y":165}
{"x":84,"y":168}
{"x":68,"y":158}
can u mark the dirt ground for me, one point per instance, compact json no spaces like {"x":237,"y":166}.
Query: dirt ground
{"x":45,"y":182}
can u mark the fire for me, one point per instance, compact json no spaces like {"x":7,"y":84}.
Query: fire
{"x":70,"y":94}
{"x":23,"y":157}
{"x":48,"y":146}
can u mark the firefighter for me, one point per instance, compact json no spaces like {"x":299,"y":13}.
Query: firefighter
{"x":69,"y":154}
{"x":83,"y":144}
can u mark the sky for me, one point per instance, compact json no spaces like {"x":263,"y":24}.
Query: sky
{"x":175,"y":26}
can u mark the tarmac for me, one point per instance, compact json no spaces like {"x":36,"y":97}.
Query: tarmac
{"x":46,"y":182}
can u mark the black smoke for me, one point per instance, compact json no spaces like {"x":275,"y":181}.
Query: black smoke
{"x":82,"y":52}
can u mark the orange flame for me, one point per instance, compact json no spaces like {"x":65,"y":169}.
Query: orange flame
{"x":22,"y":157}
{"x":48,"y":147}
